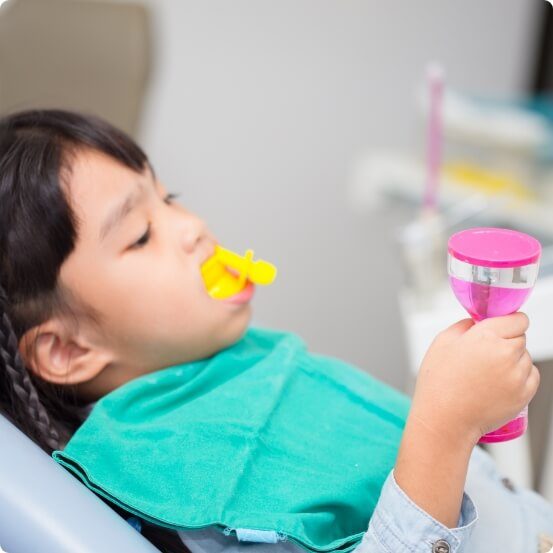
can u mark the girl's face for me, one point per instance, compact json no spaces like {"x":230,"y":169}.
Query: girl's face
{"x":141,"y":272}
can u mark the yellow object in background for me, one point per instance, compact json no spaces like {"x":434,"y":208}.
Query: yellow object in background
{"x":486,"y":181}
{"x":223,"y":283}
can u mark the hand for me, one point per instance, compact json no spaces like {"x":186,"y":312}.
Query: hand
{"x":475,"y":378}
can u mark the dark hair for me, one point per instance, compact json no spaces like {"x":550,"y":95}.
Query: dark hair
{"x":38,"y":231}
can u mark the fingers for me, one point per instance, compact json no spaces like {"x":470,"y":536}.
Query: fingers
{"x":525,"y":363}
{"x":508,"y":326}
{"x":533,"y":382}
{"x":460,"y":327}
{"x":531,"y":374}
{"x":518,"y":344}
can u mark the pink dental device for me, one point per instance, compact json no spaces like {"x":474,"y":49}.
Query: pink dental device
{"x":492,"y":272}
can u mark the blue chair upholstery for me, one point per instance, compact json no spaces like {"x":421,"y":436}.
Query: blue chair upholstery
{"x":43,"y":508}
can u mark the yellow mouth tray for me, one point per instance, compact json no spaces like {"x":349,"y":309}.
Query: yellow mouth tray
{"x":223,"y":283}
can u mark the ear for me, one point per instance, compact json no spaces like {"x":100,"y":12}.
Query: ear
{"x":61,"y":356}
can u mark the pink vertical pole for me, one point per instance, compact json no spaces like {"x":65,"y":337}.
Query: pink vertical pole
{"x":435,"y":85}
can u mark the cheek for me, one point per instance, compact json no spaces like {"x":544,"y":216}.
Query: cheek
{"x":151,"y":297}
{"x":169,"y":297}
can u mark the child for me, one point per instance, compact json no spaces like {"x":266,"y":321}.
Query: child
{"x":96,"y":292}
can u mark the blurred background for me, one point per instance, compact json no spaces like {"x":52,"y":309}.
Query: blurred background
{"x":300,"y":129}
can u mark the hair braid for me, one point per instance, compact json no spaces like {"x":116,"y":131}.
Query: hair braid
{"x":38,"y":231}
{"x":32,"y":414}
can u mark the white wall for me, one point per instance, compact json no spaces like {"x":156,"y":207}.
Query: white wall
{"x":257,"y":111}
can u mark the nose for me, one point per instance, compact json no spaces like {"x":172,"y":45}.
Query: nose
{"x":192,"y":230}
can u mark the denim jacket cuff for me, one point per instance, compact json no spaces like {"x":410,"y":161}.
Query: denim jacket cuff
{"x":401,"y":525}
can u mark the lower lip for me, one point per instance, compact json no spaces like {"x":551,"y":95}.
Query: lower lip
{"x":242,"y":297}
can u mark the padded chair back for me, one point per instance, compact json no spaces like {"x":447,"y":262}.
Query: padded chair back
{"x":44,"y":509}
{"x":79,"y":55}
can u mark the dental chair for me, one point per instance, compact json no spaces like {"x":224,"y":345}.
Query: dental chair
{"x":44,"y":509}
{"x":81,"y":55}
{"x":92,"y":56}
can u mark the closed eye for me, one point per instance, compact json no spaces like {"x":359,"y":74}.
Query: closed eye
{"x":171,"y":196}
{"x":145,"y":238}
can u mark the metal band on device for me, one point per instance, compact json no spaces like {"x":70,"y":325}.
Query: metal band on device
{"x":505,"y":277}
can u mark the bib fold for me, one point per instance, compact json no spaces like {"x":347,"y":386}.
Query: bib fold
{"x":262,"y":439}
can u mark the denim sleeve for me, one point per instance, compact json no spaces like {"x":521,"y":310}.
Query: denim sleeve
{"x":399,"y":525}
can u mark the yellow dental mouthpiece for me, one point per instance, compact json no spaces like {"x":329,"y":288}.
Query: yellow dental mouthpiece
{"x":226,"y":273}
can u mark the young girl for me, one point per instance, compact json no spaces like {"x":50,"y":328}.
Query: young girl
{"x":100,"y":284}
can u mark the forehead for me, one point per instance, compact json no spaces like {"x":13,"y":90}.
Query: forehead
{"x":97,"y":179}
{"x":96,"y":182}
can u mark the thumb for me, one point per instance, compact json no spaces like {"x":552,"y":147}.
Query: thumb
{"x":460,"y":327}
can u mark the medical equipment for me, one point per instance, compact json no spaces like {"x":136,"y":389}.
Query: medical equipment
{"x":492,"y":272}
{"x":435,"y":79}
{"x":219,"y":272}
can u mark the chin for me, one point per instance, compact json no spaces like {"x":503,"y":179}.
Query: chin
{"x":238,"y":326}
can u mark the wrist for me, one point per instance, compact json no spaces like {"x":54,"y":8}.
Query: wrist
{"x":431,"y":467}
{"x":453,"y":433}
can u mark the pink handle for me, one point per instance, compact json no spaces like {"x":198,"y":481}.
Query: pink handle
{"x":434,"y":140}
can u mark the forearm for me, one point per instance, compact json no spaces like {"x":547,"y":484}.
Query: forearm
{"x":431,"y":468}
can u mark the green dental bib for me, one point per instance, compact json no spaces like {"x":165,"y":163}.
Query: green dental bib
{"x":263,"y":439}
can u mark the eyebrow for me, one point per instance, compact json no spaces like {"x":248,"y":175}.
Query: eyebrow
{"x":116,"y":216}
